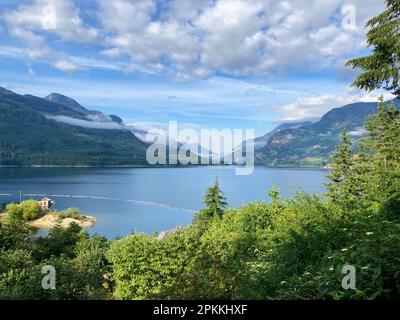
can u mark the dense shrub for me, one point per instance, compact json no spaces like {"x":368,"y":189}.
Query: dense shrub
{"x":80,"y":263}
{"x":28,"y":210}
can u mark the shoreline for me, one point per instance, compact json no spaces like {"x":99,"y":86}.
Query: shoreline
{"x":52,"y":219}
{"x":325,"y":167}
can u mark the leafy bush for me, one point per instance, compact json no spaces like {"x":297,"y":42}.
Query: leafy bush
{"x":15,"y":211}
{"x":28,"y":210}
{"x":73,"y":213}
{"x":80,"y":263}
{"x":145,"y":268}
{"x":31,"y":210}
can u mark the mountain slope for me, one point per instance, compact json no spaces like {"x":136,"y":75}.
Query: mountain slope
{"x":29,"y":137}
{"x":262,"y":141}
{"x":66,"y":101}
{"x":314,"y":145}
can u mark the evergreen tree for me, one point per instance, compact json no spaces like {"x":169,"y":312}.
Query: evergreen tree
{"x":383,"y":140}
{"x":342,"y":188}
{"x":215,"y":200}
{"x":381,"y":68}
{"x":383,"y":151}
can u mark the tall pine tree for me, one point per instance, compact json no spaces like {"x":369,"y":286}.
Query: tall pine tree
{"x":342,"y":188}
{"x":381,"y":68}
{"x":383,"y":151}
{"x":215,"y":200}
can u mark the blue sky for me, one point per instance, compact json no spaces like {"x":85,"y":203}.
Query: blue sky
{"x":206,"y":64}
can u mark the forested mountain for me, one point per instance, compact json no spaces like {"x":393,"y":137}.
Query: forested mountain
{"x":60,"y":132}
{"x":313,"y":145}
{"x":262,"y":141}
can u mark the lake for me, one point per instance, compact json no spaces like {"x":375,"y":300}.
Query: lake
{"x":148,"y":199}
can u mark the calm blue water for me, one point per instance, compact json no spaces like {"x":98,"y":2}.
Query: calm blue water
{"x":151,"y":199}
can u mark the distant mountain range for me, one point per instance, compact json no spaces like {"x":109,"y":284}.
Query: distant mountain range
{"x":313,"y":144}
{"x":58,"y":131}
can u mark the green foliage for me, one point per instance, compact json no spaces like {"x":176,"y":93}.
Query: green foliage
{"x":372,"y":248}
{"x":220,"y":264}
{"x":80,"y":263}
{"x":381,"y":151}
{"x":90,"y":257}
{"x":146,"y":268}
{"x":73,"y":213}
{"x":61,"y":241}
{"x":13,"y":234}
{"x":215,"y":200}
{"x":381,"y":68}
{"x":28,"y":210}
{"x":345,"y":186}
{"x":31,"y":210}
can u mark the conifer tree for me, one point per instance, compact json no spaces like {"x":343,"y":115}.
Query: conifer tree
{"x":381,"y":68}
{"x":383,"y":151}
{"x":215,"y":200}
{"x":384,"y":136}
{"x":342,"y":187}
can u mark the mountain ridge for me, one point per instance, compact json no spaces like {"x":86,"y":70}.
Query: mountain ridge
{"x":28,"y":137}
{"x":313,"y":146}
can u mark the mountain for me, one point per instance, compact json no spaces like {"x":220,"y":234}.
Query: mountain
{"x":81,"y":112}
{"x":262,"y":141}
{"x":58,"y":131}
{"x":66,"y":101}
{"x":314,"y":145}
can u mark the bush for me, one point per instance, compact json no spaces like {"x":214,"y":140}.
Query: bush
{"x":146,"y":268}
{"x":61,"y":241}
{"x":28,"y":210}
{"x":31,"y":210}
{"x":14,"y":211}
{"x":73,"y":213}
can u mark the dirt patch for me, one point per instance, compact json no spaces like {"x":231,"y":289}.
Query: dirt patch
{"x":50,"y":220}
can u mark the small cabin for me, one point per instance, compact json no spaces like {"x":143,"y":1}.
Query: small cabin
{"x":46,"y":203}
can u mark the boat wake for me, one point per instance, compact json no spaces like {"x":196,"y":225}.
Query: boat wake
{"x":141,"y":202}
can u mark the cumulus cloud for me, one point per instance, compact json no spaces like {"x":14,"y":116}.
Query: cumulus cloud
{"x":59,"y":17}
{"x":196,"y":38}
{"x":35,"y":22}
{"x":312,"y":108}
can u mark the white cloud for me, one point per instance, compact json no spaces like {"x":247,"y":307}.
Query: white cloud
{"x":312,"y":108}
{"x":35,"y":22}
{"x":66,"y":66}
{"x":13,"y":52}
{"x":87,"y":124}
{"x":59,"y":17}
{"x":196,"y":38}
{"x":31,"y":71}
